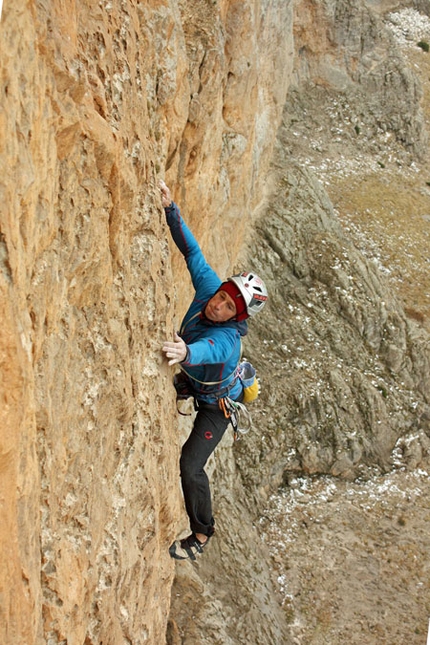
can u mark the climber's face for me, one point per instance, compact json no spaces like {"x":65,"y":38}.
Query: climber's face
{"x":220,"y":307}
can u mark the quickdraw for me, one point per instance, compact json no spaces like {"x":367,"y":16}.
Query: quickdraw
{"x":232,"y":410}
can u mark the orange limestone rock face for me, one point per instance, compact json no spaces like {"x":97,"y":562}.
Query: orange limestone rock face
{"x":100,"y":101}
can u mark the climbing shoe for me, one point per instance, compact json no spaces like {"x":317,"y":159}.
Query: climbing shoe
{"x":187,"y":549}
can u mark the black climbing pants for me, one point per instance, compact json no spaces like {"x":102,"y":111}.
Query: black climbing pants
{"x":208,"y":430}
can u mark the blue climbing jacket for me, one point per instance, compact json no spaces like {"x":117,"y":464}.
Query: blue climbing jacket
{"x":213,"y":348}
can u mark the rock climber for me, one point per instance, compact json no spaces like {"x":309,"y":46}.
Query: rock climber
{"x":207,"y":350}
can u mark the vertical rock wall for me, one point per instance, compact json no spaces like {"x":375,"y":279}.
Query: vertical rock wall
{"x":98,"y":101}
{"x":240,"y":57}
{"x":87,"y":280}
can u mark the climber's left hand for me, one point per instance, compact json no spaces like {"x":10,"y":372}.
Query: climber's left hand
{"x":166,"y":197}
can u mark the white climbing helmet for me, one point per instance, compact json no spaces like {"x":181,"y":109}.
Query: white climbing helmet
{"x":253,"y":291}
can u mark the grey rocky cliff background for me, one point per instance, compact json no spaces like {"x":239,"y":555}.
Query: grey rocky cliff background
{"x":343,"y":421}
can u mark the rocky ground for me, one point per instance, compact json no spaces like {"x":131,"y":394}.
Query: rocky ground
{"x":352,"y":558}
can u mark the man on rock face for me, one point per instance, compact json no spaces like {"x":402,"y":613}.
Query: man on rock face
{"x":207,"y":349}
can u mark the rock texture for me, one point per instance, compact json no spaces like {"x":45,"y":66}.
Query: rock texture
{"x":86,"y":276}
{"x":99,"y":101}
{"x":354,"y":371}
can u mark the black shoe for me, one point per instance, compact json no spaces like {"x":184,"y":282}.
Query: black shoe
{"x":187,"y":549}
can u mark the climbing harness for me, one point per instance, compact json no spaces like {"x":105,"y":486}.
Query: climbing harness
{"x":232,"y":410}
{"x":184,"y":390}
{"x":193,"y":378}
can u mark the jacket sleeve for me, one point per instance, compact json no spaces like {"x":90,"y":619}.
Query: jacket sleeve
{"x":185,"y":241}
{"x":216,"y":349}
